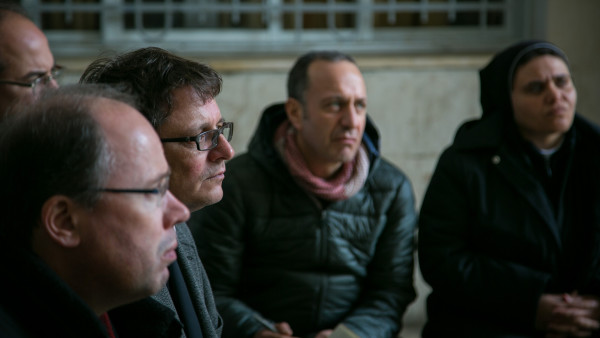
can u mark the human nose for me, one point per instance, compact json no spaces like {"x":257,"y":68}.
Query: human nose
{"x":223,"y":150}
{"x":553,"y":93}
{"x":53,"y":83}
{"x":350,"y":117}
{"x":175,"y":212}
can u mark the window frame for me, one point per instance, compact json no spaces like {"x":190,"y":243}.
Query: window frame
{"x":523,"y":19}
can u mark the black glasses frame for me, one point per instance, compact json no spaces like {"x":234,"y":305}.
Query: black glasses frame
{"x":155,"y":191}
{"x":160,"y":192}
{"x":214,"y":137}
{"x":47,"y":77}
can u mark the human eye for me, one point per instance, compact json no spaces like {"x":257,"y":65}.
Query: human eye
{"x":562,"y":81}
{"x":333,"y":105}
{"x":206,"y":139}
{"x":162,"y":188}
{"x":535,"y":87}
{"x":201,"y":138}
{"x":360,"y":105}
{"x":158,"y":194}
{"x":56,"y":70}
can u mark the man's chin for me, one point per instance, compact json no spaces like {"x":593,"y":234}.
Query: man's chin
{"x":160,"y":283}
{"x":207,"y":198}
{"x":348,"y":156}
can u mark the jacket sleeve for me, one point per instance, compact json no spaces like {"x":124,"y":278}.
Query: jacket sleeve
{"x":219,"y":234}
{"x":388,"y":288}
{"x":454,"y":260}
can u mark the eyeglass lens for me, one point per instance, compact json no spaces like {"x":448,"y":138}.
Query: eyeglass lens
{"x":45,"y":80}
{"x":210,"y":139}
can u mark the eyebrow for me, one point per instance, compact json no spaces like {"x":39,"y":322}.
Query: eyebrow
{"x":553,"y":77}
{"x":204,"y":126}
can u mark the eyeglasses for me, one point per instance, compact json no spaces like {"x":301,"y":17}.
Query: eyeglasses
{"x":155,"y":191}
{"x":160,"y":191}
{"x":207,"y":140}
{"x":41,"y":81}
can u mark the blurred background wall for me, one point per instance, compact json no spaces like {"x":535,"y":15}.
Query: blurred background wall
{"x":417,"y":100}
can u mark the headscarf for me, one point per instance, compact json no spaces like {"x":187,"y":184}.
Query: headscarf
{"x":496,"y":79}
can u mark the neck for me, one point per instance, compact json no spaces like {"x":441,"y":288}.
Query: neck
{"x":97,"y":302}
{"x":323,"y":170}
{"x":545,"y":141}
{"x":82,"y":284}
{"x":319,"y":167}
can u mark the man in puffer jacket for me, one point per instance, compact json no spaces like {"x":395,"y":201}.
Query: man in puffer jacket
{"x":315,"y":228}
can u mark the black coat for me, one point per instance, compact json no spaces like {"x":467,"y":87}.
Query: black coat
{"x":491,"y":241}
{"x":35,"y":302}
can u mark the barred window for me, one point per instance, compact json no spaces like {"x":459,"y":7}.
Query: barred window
{"x":83,"y":27}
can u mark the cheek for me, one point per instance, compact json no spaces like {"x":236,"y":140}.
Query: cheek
{"x":196,"y":166}
{"x":187,"y":165}
{"x":363,"y":124}
{"x":130,"y":231}
{"x":321,"y":135}
{"x":572,"y":97}
{"x":524,"y":109}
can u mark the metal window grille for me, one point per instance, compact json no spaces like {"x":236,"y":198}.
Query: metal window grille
{"x":84,"y":27}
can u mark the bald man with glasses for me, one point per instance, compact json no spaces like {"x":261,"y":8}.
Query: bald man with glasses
{"x":87,"y":221}
{"x":27,"y":65}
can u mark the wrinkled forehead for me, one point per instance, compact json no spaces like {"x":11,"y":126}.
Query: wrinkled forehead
{"x":335,"y":75}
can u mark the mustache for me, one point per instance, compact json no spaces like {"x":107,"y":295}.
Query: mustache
{"x":214,"y":171}
{"x":347,"y":133}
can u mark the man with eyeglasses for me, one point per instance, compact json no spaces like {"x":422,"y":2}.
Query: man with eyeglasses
{"x":87,"y":218}
{"x":178,"y":97}
{"x":26,"y":64}
{"x":315,"y":228}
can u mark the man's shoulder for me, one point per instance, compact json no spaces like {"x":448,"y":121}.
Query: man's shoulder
{"x":386,"y":171}
{"x":148,"y":317}
{"x":386,"y":179}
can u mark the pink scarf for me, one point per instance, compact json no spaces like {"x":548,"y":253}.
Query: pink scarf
{"x":349,"y":179}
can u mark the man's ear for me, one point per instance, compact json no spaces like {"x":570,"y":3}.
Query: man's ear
{"x":294,"y":111}
{"x":60,"y":220}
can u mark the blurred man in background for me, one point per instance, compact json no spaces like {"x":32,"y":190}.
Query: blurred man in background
{"x":27,"y":66}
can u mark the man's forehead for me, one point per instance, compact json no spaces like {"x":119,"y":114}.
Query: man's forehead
{"x":326,"y":72}
{"x":190,"y":113}
{"x":24,"y":45}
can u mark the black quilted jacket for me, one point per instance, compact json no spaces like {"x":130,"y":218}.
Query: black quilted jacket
{"x":269,"y":247}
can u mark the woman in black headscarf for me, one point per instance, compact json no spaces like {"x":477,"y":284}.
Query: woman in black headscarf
{"x":509,"y":235}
